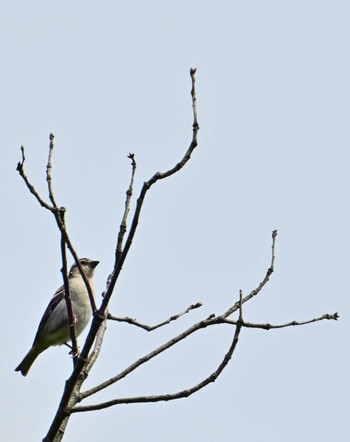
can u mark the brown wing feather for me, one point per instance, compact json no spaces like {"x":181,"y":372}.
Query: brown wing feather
{"x":56,"y":299}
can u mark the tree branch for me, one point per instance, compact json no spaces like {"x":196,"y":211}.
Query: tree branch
{"x":123,"y":226}
{"x":168,"y":397}
{"x":100,"y":315}
{"x":185,"y":393}
{"x":268,"y":326}
{"x":153,"y":327}
{"x":48,"y":172}
{"x":20,"y":170}
{"x":67,"y":297}
{"x":146,"y":186}
{"x":266,"y":279}
{"x":55,"y":210}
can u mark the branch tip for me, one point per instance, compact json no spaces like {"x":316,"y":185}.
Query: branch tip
{"x":196,"y":305}
{"x":131,"y":156}
{"x":19,"y":167}
{"x":335,"y":316}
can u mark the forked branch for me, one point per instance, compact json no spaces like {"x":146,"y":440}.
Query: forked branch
{"x":210,"y":321}
{"x":68,"y":401}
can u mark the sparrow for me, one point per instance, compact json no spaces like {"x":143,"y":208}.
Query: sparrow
{"x":54,"y":325}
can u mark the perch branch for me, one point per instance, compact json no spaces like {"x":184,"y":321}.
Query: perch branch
{"x":68,"y":299}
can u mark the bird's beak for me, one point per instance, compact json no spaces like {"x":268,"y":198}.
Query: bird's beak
{"x":94,"y":264}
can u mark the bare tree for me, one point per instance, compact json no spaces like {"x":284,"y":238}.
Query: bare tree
{"x":73,"y":393}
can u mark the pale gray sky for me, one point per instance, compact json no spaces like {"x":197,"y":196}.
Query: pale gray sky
{"x":109,"y":78}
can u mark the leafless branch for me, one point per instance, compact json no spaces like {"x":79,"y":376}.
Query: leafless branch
{"x":100,"y":315}
{"x":146,"y":186}
{"x":48,"y":172}
{"x":185,"y":393}
{"x":212,"y":320}
{"x":123,"y":226}
{"x":168,"y":397}
{"x":268,"y":326}
{"x":153,"y":327}
{"x":194,"y":328}
{"x":55,"y":210}
{"x":266,"y":279}
{"x":59,"y":216}
{"x":20,"y":169}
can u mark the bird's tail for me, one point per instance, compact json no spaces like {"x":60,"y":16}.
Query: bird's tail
{"x":28,"y":360}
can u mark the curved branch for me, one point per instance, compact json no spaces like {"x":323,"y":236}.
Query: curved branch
{"x":146,"y":186}
{"x":55,"y":210}
{"x":194,"y":328}
{"x":31,"y":188}
{"x":185,"y":393}
{"x":168,"y":397}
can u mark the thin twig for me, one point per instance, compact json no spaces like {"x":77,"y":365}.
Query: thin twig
{"x":268,"y":326}
{"x":266,"y":279}
{"x":123,"y":226}
{"x":153,"y":327}
{"x":20,"y":170}
{"x":48,"y":172}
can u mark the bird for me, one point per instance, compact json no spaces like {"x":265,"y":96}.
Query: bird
{"x":54,"y":325}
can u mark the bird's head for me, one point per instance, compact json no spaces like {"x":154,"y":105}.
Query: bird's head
{"x":87,"y":265}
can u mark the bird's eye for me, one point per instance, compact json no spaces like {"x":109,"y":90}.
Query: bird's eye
{"x":83,"y":262}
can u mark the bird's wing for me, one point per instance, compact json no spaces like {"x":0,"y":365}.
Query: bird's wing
{"x":56,"y":299}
